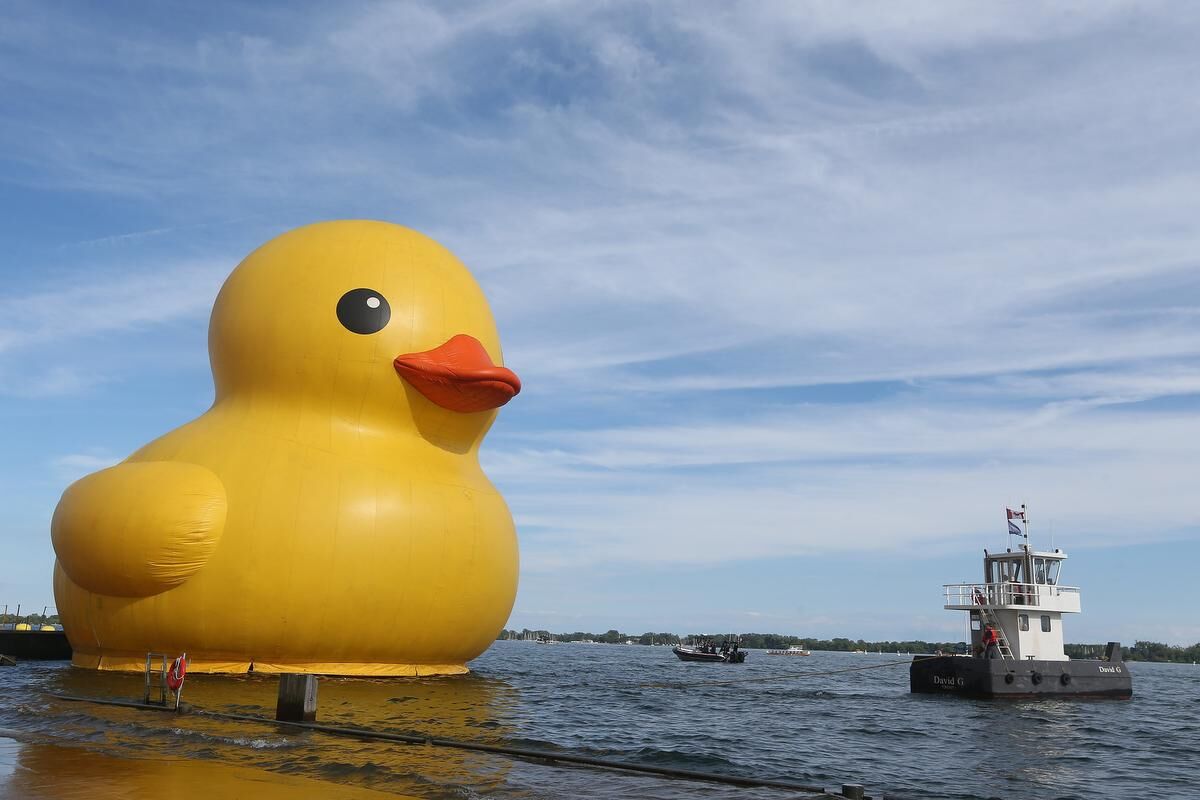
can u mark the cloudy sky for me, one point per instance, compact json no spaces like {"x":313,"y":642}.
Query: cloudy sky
{"x":802,"y":294}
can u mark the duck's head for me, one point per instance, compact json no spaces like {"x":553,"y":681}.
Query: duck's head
{"x":371,"y":323}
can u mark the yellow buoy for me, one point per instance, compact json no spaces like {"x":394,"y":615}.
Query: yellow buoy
{"x":335,"y":478}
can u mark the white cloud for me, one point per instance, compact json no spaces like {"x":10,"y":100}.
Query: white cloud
{"x":840,"y":509}
{"x":107,"y":302}
{"x":826,"y":479}
{"x":42,"y":382}
{"x":64,"y":340}
{"x":73,"y":466}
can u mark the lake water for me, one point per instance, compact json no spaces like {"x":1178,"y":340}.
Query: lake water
{"x":776,"y":722}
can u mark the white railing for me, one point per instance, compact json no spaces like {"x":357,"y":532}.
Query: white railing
{"x":1060,"y":598}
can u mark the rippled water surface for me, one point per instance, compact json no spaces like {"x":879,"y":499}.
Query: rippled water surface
{"x":779,"y":719}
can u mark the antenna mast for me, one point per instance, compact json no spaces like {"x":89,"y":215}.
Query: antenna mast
{"x":1025,"y":523}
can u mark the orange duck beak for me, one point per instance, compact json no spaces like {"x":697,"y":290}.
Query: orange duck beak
{"x":459,"y":375}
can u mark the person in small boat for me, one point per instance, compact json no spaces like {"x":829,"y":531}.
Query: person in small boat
{"x":990,"y":642}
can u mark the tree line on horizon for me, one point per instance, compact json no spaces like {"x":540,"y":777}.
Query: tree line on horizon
{"x":1140,"y":651}
{"x":1157,"y":651}
{"x":753,"y":641}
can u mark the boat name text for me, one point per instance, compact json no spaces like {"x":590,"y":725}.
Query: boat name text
{"x":938,"y":680}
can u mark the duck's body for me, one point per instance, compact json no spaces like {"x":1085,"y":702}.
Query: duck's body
{"x":328,"y":517}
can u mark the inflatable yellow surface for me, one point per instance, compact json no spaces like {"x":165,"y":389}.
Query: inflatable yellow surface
{"x":328,"y":514}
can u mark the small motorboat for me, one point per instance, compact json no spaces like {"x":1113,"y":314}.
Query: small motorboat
{"x":794,"y":650}
{"x":728,"y":652}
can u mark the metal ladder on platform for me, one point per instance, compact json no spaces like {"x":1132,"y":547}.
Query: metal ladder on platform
{"x":156,"y":678}
{"x":988,"y":618}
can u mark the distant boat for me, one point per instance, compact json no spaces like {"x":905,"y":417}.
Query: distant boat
{"x":794,"y":650}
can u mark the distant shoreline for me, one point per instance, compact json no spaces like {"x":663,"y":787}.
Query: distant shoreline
{"x":1140,"y":651}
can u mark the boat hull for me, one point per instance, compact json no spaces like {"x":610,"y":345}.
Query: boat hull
{"x":979,"y":677}
{"x":686,"y":654}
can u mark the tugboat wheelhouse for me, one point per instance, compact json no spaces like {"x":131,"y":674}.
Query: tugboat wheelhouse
{"x":1018,"y":586}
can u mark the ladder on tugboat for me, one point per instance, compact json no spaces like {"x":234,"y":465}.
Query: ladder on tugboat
{"x":988,"y":618}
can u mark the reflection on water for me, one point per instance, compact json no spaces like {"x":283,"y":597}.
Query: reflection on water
{"x":34,"y":771}
{"x":9,"y":750}
{"x":603,"y":701}
{"x":460,"y":707}
{"x":1028,"y":742}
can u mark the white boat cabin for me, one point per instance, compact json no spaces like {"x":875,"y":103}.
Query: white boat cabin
{"x":1022,"y":598}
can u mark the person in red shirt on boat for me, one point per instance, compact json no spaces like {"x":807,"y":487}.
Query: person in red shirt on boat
{"x":990,"y":642}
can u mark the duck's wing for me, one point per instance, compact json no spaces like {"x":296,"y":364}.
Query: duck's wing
{"x":138,"y":528}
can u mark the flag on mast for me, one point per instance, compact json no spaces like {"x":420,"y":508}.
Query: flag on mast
{"x":1013,"y":529}
{"x":1015,"y":514}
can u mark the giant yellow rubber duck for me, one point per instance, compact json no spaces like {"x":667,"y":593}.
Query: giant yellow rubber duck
{"x":328,"y":514}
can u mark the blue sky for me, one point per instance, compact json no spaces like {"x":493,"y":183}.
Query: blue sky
{"x":802,"y":295}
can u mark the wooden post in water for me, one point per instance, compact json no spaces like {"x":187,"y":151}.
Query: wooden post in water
{"x":855,"y":791}
{"x":297,"y":698}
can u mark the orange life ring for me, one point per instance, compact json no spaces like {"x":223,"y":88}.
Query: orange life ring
{"x":177,"y":673}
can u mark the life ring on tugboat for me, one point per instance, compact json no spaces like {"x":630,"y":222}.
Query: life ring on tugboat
{"x":177,"y":673}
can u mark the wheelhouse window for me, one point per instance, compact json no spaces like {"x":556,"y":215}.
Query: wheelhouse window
{"x":1003,"y":569}
{"x":1024,"y":620}
{"x":1045,"y":623}
{"x":1039,"y":570}
{"x":1052,"y":568}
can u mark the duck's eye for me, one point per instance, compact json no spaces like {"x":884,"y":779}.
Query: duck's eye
{"x":363,"y":311}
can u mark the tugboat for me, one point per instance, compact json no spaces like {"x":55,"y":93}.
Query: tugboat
{"x":1017,"y":635}
{"x":729,"y":651}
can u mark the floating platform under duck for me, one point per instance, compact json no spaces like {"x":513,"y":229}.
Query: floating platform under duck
{"x":35,"y":645}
